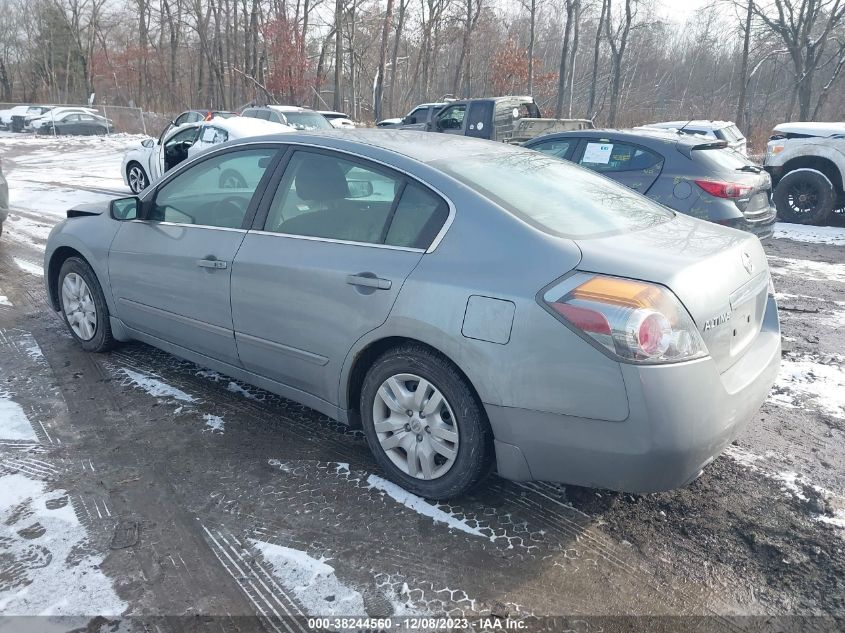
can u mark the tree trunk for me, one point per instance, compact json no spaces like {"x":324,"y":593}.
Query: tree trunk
{"x":743,"y":72}
{"x":532,"y":17}
{"x":338,"y":54}
{"x":596,"y":49}
{"x":394,"y":60}
{"x":564,"y":59}
{"x":381,"y":61}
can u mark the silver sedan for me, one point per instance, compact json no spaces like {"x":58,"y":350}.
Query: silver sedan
{"x":470,"y":304}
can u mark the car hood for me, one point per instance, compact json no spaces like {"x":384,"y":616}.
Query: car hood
{"x":712,"y":269}
{"x":88,"y":208}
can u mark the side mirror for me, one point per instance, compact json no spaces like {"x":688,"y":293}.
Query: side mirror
{"x":125,"y":209}
{"x":360,"y":188}
{"x":148,"y":142}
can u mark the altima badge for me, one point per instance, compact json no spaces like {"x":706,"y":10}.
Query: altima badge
{"x":747,"y":262}
{"x":718,"y":320}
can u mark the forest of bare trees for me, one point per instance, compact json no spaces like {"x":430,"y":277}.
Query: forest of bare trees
{"x":620,"y":62}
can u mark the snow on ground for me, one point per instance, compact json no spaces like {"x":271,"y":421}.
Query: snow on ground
{"x":81,"y":161}
{"x":156,"y":387}
{"x":807,"y":269}
{"x":14,"y":425}
{"x":421,"y":506}
{"x":312,"y":581}
{"x":29,"y":267}
{"x":214,"y":423}
{"x":812,"y":234}
{"x":807,"y":378}
{"x":4,"y":301}
{"x":46,"y":559}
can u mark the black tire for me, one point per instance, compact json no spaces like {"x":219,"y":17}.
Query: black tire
{"x":102,"y":341}
{"x":475,"y":449}
{"x":804,"y":196}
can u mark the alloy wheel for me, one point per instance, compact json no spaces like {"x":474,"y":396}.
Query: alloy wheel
{"x":802,"y":198}
{"x":416,"y":426}
{"x":78,"y":306}
{"x":137,"y":179}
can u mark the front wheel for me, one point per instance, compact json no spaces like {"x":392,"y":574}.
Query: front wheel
{"x":424,"y":425}
{"x":84,"y":306}
{"x":137,"y":178}
{"x":804,"y":196}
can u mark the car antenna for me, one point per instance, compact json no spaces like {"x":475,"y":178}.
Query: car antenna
{"x":681,"y":130}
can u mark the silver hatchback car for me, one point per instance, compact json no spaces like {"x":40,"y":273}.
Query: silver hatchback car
{"x":469,"y":303}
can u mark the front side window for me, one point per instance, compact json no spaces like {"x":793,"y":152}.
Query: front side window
{"x":334,"y":198}
{"x":215,"y":192}
{"x":605,"y":156}
{"x":452,"y":118}
{"x":554,"y":196}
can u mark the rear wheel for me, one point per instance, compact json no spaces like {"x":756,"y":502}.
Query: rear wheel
{"x":84,"y":306}
{"x":804,"y":196}
{"x":424,"y":424}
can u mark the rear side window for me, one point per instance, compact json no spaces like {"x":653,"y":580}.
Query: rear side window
{"x":418,"y":218}
{"x":555,"y":196}
{"x":559,"y":148}
{"x":720,"y":159}
{"x":613,"y":157}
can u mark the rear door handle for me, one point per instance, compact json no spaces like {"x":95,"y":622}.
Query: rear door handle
{"x":369,"y":280}
{"x":211,"y":263}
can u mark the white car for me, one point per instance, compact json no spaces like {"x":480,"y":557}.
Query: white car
{"x":721,"y":130}
{"x":35,"y":122}
{"x":302,"y":119}
{"x":146,"y":162}
{"x":340,"y":120}
{"x":5,"y":118}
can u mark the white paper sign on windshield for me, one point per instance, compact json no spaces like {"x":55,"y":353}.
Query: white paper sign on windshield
{"x":598,"y":153}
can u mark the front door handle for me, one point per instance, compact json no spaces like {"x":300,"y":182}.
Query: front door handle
{"x":369,"y":280}
{"x":212,"y":263}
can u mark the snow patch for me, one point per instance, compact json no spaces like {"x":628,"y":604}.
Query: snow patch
{"x":14,"y":424}
{"x":236,"y":388}
{"x":5,"y":302}
{"x":421,"y":506}
{"x":214,"y":423}
{"x":806,"y":269}
{"x":29,"y":267}
{"x":156,"y":387}
{"x":824,"y":384}
{"x":810,"y":234}
{"x":312,"y":581}
{"x":53,"y":572}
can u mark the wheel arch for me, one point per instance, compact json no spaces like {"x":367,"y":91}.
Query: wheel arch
{"x":823,"y":164}
{"x":54,"y":266}
{"x":364,"y":358}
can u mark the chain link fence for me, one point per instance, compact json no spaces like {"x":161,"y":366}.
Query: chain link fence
{"x":118,"y":119}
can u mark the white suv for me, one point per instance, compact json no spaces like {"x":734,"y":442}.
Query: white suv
{"x":807,"y":163}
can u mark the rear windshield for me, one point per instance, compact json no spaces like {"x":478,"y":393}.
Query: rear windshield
{"x":732,"y":133}
{"x":720,"y":159}
{"x":307,"y":120}
{"x":555,"y":196}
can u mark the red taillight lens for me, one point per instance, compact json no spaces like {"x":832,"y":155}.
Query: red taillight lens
{"x":724,"y":189}
{"x":635,"y":321}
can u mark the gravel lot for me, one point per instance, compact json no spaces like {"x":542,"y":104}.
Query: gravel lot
{"x":136,"y":487}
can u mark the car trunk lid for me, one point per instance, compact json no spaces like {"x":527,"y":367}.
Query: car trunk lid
{"x":720,"y":275}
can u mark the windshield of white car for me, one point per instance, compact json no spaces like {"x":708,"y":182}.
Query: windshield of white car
{"x":306,"y":121}
{"x":555,"y":196}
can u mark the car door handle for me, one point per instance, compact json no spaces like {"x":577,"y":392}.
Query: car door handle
{"x":211,"y":263}
{"x":369,"y":280}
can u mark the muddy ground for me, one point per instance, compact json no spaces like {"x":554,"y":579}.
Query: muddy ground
{"x":148,"y":487}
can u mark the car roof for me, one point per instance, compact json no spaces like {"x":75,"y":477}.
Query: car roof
{"x":247,"y":126}
{"x":289,"y":108}
{"x":633,"y":135}
{"x":423,"y":147}
{"x":812,"y":128}
{"x":699,"y":123}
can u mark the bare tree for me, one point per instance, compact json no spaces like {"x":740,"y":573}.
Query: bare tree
{"x":596,"y":52}
{"x":385,"y":32}
{"x":470,"y":19}
{"x":617,"y":39}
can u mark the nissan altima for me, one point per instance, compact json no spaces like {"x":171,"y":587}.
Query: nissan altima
{"x":470,"y":304}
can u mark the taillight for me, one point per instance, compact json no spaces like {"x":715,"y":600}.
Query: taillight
{"x":724,"y":189}
{"x":633,"y":320}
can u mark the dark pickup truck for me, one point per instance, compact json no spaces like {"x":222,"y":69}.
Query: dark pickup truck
{"x":509,"y":119}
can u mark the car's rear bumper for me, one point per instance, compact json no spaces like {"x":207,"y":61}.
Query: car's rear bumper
{"x":681,"y":417}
